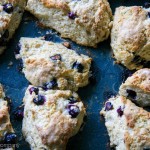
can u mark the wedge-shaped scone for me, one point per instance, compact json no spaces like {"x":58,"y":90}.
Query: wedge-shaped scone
{"x":52,"y":65}
{"x":10,"y":16}
{"x":7,"y":136}
{"x":85,"y":22}
{"x":51,"y":117}
{"x":128,"y":125}
{"x":137,"y":87}
{"x":130,"y":36}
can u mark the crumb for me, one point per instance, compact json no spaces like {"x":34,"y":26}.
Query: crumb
{"x":67,"y":44}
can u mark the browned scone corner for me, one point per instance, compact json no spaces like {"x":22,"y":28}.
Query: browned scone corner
{"x":85,"y":22}
{"x":137,"y":87}
{"x":51,"y":117}
{"x":130,"y":36}
{"x":8,"y":138}
{"x":128,"y":125}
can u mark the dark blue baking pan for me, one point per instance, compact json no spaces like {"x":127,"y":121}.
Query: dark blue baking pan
{"x":108,"y":77}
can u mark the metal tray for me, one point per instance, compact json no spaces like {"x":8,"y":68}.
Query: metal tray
{"x":108,"y":79}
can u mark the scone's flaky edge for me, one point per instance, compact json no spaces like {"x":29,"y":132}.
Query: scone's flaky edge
{"x":49,"y":125}
{"x":127,"y":125}
{"x":130,"y":36}
{"x":40,"y":69}
{"x":139,"y":83}
{"x":10,"y":21}
{"x":91,"y":25}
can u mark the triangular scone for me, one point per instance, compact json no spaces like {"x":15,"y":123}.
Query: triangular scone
{"x":85,"y":22}
{"x":137,"y":87}
{"x":10,"y":17}
{"x":7,"y":136}
{"x":51,"y":117}
{"x":52,"y":65}
{"x":128,"y":125}
{"x":130,"y":36}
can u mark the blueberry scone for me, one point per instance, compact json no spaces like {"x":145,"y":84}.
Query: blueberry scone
{"x":85,"y":22}
{"x":7,"y":136}
{"x":51,"y":117}
{"x":10,"y":16}
{"x":52,"y":65}
{"x":137,"y":87}
{"x":130,"y":36}
{"x":127,"y":124}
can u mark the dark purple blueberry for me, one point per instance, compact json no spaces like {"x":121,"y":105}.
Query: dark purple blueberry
{"x":78,"y":66}
{"x":72,"y":100}
{"x":131,"y":94}
{"x":146,"y":4}
{"x":108,"y":106}
{"x":33,"y":89}
{"x":17,"y":49}
{"x":72,"y":15}
{"x":19,"y":113}
{"x":56,"y":57}
{"x":8,"y":7}
{"x":50,"y":85}
{"x":120,"y":111}
{"x":48,"y":37}
{"x":39,"y":100}
{"x":10,"y":138}
{"x":73,"y":110}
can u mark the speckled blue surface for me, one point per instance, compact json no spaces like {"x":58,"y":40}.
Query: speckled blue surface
{"x":108,"y":75}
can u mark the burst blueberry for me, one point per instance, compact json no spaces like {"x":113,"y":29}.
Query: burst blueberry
{"x":108,"y":106}
{"x":33,"y":89}
{"x":56,"y":57}
{"x":72,"y":100}
{"x":78,"y":66}
{"x":73,"y":110}
{"x":131,"y":94}
{"x":120,"y":111}
{"x":8,"y":7}
{"x":50,"y":85}
{"x":39,"y":100}
{"x":72,"y":15}
{"x":10,"y":138}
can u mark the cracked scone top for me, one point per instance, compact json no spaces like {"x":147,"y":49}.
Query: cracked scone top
{"x":7,"y":135}
{"x":51,"y":117}
{"x":52,"y":65}
{"x":128,"y":126}
{"x":137,"y":87}
{"x":87,"y":22}
{"x":130,"y":36}
{"x":10,"y":16}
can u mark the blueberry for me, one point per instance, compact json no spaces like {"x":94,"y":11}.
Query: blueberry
{"x":17,"y":49}
{"x":19,"y":113}
{"x":108,"y":106}
{"x":146,"y":4}
{"x":10,"y":138}
{"x":50,"y":85}
{"x":48,"y":37}
{"x":33,"y":89}
{"x":73,"y":110}
{"x":72,"y":100}
{"x":78,"y":66}
{"x":8,"y":7}
{"x":120,"y":111}
{"x":39,"y":100}
{"x":56,"y":57}
{"x":131,"y":94}
{"x":72,"y":15}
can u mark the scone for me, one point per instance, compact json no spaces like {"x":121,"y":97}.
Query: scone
{"x":51,"y":117}
{"x":7,"y":136}
{"x":52,"y":65}
{"x":10,"y":16}
{"x":85,"y":22}
{"x":137,"y":87}
{"x":130,"y":36}
{"x":127,"y":124}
